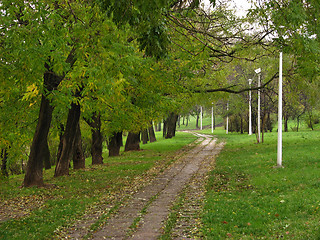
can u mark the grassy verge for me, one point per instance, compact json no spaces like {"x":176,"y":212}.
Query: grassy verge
{"x":250,"y":199}
{"x":70,"y":196}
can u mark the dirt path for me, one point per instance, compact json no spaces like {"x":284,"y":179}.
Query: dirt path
{"x":145,"y":213}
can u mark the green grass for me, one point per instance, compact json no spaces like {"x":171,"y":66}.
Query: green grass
{"x":72,"y":195}
{"x":250,"y":199}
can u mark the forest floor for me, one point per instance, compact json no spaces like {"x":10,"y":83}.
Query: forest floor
{"x":169,"y":207}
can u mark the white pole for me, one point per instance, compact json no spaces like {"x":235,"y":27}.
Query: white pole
{"x":212,"y":119}
{"x":259,"y":108}
{"x":227,"y":127}
{"x":201,"y":118}
{"x":250,"y":118}
{"x":279,"y":153}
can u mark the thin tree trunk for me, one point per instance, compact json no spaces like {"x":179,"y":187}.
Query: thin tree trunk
{"x":264,"y":120}
{"x":79,"y":160}
{"x":4,"y":156}
{"x":68,"y":141}
{"x":285,"y":123}
{"x":152,"y":135}
{"x":197,"y":121}
{"x":164,"y":130}
{"x":96,"y":138}
{"x":144,"y":136}
{"x":60,"y":142}
{"x":114,"y":144}
{"x":133,"y":142}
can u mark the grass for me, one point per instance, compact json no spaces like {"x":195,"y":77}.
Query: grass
{"x":248,"y":198}
{"x":58,"y":206}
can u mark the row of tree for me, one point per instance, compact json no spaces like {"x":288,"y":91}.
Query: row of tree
{"x":69,"y":67}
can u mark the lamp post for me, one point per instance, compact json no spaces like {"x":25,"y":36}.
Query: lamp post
{"x":250,"y":118}
{"x":227,"y":127}
{"x":279,"y":152}
{"x":258,"y":71}
{"x":201,"y":118}
{"x":212,"y":119}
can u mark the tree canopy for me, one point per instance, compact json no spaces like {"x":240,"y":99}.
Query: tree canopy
{"x":134,"y":62}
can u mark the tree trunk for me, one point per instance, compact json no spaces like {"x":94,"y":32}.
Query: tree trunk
{"x":285,"y":123}
{"x":197,"y":121}
{"x":114,"y":144}
{"x":144,"y":136}
{"x":39,"y":148}
{"x":79,"y":160}
{"x":164,"y":130}
{"x":133,"y":142}
{"x":97,"y":139}
{"x":159,"y":126}
{"x":171,"y":125}
{"x":68,"y":141}
{"x":60,"y":142}
{"x":152,"y":135}
{"x":298,"y":123}
{"x":4,"y":169}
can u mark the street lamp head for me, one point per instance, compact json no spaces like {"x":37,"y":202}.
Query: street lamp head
{"x":250,"y":81}
{"x":258,"y":70}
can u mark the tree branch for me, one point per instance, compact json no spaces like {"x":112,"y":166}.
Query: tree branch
{"x":229,"y":90}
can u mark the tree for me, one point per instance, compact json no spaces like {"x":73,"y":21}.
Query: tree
{"x":114,"y":144}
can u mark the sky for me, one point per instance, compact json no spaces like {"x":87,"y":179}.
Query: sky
{"x":240,"y":5}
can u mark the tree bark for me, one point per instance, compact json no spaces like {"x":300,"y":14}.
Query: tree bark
{"x":171,"y":123}
{"x":164,"y":130}
{"x":68,"y":141}
{"x":144,"y":136}
{"x":133,"y":142}
{"x":97,"y":139}
{"x":286,"y":123}
{"x":39,"y":148}
{"x":79,"y":160}
{"x":114,"y":144}
{"x":152,"y":135}
{"x":60,"y":142}
{"x":4,"y":169}
{"x":197,"y":121}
